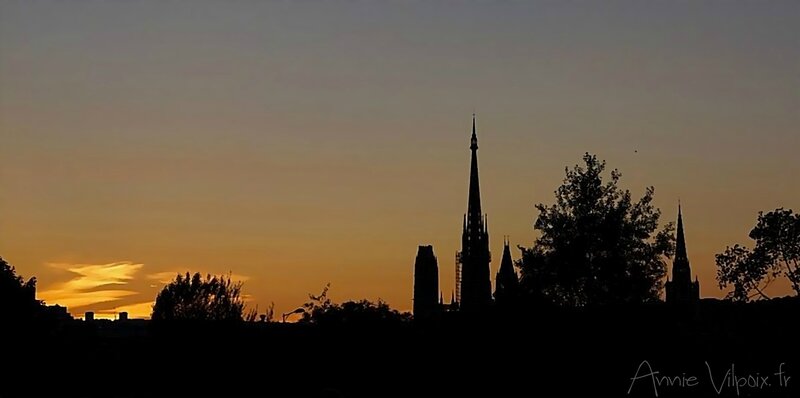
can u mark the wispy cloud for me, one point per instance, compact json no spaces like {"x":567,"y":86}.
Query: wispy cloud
{"x":108,"y":289}
{"x":91,"y":283}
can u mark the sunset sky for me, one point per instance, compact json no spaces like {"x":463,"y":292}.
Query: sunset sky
{"x":299,"y":143}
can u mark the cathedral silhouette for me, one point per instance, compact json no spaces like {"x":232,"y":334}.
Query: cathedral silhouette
{"x":473,"y":283}
{"x":681,"y":290}
{"x":473,"y":275}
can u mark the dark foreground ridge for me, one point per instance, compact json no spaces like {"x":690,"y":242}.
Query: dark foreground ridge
{"x":599,"y":352}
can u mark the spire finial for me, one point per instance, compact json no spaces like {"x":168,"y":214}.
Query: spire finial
{"x":474,"y":140}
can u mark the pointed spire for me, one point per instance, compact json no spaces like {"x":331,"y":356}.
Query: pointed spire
{"x":441,"y":299}
{"x":681,"y":270}
{"x":681,"y":289}
{"x":680,"y":240}
{"x":507,"y":255}
{"x":506,"y":281}
{"x":452,"y":297}
{"x":474,"y":218}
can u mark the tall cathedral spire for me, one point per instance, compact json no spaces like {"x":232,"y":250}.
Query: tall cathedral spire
{"x":476,"y":285}
{"x":474,"y":206}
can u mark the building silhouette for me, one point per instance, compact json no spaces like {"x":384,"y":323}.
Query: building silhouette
{"x":506,"y":282}
{"x":681,"y":289}
{"x":427,"y":299}
{"x":474,"y":258}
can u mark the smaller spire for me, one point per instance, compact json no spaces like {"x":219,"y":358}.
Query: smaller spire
{"x":452,"y":297}
{"x":507,"y":281}
{"x":441,"y":299}
{"x":680,"y":240}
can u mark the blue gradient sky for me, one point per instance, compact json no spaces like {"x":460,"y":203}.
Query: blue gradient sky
{"x":300,"y":143}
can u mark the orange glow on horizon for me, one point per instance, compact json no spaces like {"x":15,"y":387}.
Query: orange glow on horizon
{"x":294,"y":145}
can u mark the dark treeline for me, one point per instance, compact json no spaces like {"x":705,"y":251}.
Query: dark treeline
{"x":552,"y":352}
{"x":361,"y":348}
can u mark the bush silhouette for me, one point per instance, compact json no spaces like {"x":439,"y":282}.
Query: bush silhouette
{"x":194,"y":298}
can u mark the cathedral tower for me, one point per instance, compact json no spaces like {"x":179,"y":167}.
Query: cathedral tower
{"x":426,"y":283}
{"x":476,"y":285}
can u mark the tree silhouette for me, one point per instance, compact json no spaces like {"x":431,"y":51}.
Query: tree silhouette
{"x":776,"y":255}
{"x":321,"y":310}
{"x":597,"y":246}
{"x":213,"y":298}
{"x":17,"y":296}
